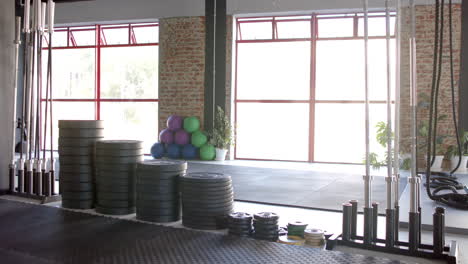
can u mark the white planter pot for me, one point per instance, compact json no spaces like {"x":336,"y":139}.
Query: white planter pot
{"x":454,"y":162}
{"x":437,"y":162}
{"x":220,"y":154}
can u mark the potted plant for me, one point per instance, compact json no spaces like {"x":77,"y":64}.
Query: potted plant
{"x":222,"y":134}
{"x":423,"y":131}
{"x":452,"y":153}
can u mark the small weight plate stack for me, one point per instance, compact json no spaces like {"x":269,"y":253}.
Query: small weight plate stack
{"x":157,"y":190}
{"x":296,"y":228}
{"x":266,"y":226}
{"x":115,"y":175}
{"x":207,"y":199}
{"x":76,"y":144}
{"x":240,"y":224}
{"x":314,"y":237}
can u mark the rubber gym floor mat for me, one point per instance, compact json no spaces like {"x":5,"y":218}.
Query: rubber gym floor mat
{"x":303,"y":188}
{"x":41,"y":234}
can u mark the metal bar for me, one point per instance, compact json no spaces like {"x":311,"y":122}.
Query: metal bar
{"x":220,"y":57}
{"x":98,"y":75}
{"x":210,"y":22}
{"x":347,"y":220}
{"x":354,"y":214}
{"x":313,"y":60}
{"x":463,"y":84}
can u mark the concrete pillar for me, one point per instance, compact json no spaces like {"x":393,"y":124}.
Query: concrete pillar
{"x":7,"y":28}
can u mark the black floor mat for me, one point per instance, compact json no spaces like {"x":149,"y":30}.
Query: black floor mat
{"x":40,"y":234}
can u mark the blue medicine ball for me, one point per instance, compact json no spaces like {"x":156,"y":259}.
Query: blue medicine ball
{"x":173,"y":151}
{"x":158,"y":150}
{"x":190,"y":152}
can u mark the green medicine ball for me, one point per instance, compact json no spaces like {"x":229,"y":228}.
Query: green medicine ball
{"x":191,"y":124}
{"x":207,"y":152}
{"x":199,"y":139}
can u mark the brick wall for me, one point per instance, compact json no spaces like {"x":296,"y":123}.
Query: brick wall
{"x":424,"y":56}
{"x":182,"y":67}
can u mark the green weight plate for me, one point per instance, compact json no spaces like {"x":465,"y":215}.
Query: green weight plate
{"x":115,"y":211}
{"x":78,"y":204}
{"x":119,"y":144}
{"x":67,"y":195}
{"x":158,"y":219}
{"x":77,"y":169}
{"x":77,"y":142}
{"x":115,"y":196}
{"x":75,"y":178}
{"x":76,"y":187}
{"x":115,"y":203}
{"x":119,"y":153}
{"x":116,"y":167}
{"x":208,"y":177}
{"x":81,"y":132}
{"x":158,"y":166}
{"x":76,"y":151}
{"x":81,"y":124}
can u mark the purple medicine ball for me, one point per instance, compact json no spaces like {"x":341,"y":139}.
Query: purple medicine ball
{"x":182,"y":137}
{"x":174,"y":122}
{"x":166,"y":136}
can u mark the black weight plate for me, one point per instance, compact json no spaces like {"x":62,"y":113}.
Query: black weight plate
{"x":119,"y":144}
{"x":208,"y":203}
{"x":212,"y":192}
{"x":75,"y":178}
{"x":115,"y":203}
{"x":266,"y":230}
{"x":112,"y":181}
{"x":208,"y":198}
{"x":76,"y":169}
{"x":207,"y":187}
{"x":81,"y":132}
{"x":77,"y":142}
{"x":158,"y":196}
{"x":157,"y":211}
{"x":210,"y":177}
{"x":162,"y":166}
{"x":263,"y":222}
{"x":118,"y":160}
{"x":206,"y":195}
{"x":113,"y":188}
{"x":115,"y":211}
{"x":267,"y":216}
{"x":158,"y":184}
{"x":81,"y":124}
{"x":116,"y":167}
{"x":207,"y":212}
{"x":115,"y":196}
{"x":115,"y":175}
{"x":66,"y":195}
{"x":240,"y":216}
{"x":76,"y":187}
{"x":239,"y":229}
{"x":159,"y":204}
{"x":77,"y":151}
{"x":240,"y":235}
{"x":85,"y":159}
{"x":78,"y":204}
{"x":144,"y":176}
{"x":158,"y":219}
{"x":108,"y":185}
{"x":157,"y":188}
{"x":119,"y":153}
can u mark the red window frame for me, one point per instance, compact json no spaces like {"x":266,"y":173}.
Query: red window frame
{"x":313,"y":18}
{"x":100,"y":43}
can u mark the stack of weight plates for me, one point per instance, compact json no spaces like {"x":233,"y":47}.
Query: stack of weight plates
{"x":266,"y":226}
{"x":157,"y":190}
{"x":296,"y":228}
{"x":207,"y":199}
{"x":115,"y":175}
{"x":240,"y":224}
{"x":314,"y":237}
{"x":76,"y":143}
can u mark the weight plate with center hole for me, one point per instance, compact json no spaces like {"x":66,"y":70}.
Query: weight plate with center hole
{"x":65,"y":161}
{"x":76,"y":187}
{"x":76,"y":151}
{"x":115,"y":211}
{"x":101,"y":185}
{"x":81,"y":124}
{"x":119,"y":144}
{"x":115,"y":203}
{"x":208,"y":202}
{"x":240,"y":217}
{"x":162,"y":166}
{"x":158,"y":219}
{"x":76,"y":169}
{"x":115,"y":174}
{"x":158,"y":210}
{"x":158,"y":184}
{"x":115,"y":181}
{"x":118,"y":160}
{"x":240,"y":228}
{"x":116,"y":196}
{"x":207,"y":211}
{"x":209,"y":177}
{"x":214,"y":191}
{"x":157,"y":188}
{"x":203,"y":195}
{"x":222,"y":185}
{"x":75,"y":178}
{"x":114,"y":188}
{"x":81,"y":132}
{"x":67,"y":195}
{"x":158,"y":176}
{"x":77,"y":142}
{"x":267,"y":216}
{"x":265,"y":222}
{"x":116,"y":167}
{"x":119,"y":153}
{"x":78,"y":204}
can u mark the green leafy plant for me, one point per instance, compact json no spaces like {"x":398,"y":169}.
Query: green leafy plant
{"x":382,"y":138}
{"x":423,"y":131}
{"x":452,"y":150}
{"x":222,"y":133}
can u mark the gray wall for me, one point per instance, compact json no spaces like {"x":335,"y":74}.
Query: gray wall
{"x":7,"y":28}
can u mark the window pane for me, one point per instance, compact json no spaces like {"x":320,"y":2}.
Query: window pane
{"x":115,"y":35}
{"x":131,"y":120}
{"x":85,"y":37}
{"x":73,"y":73}
{"x":149,"y":34}
{"x":67,"y":111}
{"x":272,"y":131}
{"x":256,"y":30}
{"x":129,"y":72}
{"x":336,"y":27}
{"x":278,"y":70}
{"x":59,"y":38}
{"x":376,"y":26}
{"x":340,"y":70}
{"x":378,"y":69}
{"x":293,"y":29}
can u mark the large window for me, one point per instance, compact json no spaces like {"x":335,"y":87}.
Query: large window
{"x":110,"y":73}
{"x":299,"y":91}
